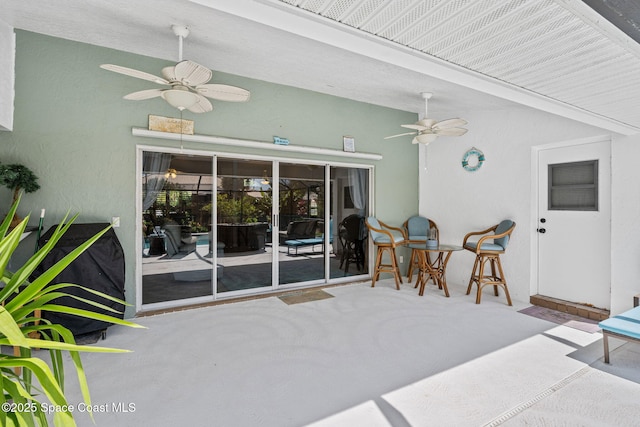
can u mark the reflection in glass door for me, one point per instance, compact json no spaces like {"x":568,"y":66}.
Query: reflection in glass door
{"x":243,"y":231}
{"x":176,"y":212}
{"x":350,"y":206}
{"x":208,"y":225}
{"x":301,"y":256}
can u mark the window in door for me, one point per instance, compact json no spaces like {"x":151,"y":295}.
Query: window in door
{"x":573,"y":186}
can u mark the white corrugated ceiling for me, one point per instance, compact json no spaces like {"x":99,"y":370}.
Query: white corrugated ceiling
{"x":543,"y":46}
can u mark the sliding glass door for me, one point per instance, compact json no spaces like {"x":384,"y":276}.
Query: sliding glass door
{"x":243,"y":224}
{"x":350,"y":206}
{"x":176,"y":220}
{"x":211,"y":229}
{"x":301,"y":219}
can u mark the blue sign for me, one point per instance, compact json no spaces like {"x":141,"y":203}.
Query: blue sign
{"x":280,"y":141}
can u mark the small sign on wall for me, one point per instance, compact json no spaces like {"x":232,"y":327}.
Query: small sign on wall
{"x":280,"y":141}
{"x":170,"y":124}
{"x":349,"y":144}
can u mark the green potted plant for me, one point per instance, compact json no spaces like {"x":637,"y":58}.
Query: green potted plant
{"x":22,"y":399}
{"x":18,"y":178}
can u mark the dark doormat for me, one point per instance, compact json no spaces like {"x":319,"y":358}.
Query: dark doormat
{"x":305,"y":296}
{"x":561,"y":318}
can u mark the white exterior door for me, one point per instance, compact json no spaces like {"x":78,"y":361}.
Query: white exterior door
{"x":574,"y":234}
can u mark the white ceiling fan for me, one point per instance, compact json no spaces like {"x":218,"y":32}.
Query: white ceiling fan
{"x":187,"y":81}
{"x":427,"y":130}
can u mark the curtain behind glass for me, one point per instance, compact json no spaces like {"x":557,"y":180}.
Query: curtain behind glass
{"x":358,"y":188}
{"x":154,"y":165}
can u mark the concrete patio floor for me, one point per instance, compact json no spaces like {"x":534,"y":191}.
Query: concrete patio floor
{"x":366,"y":357}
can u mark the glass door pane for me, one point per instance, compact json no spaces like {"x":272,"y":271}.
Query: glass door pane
{"x":243,"y":230}
{"x":301,"y":222}
{"x":349,"y":208}
{"x":177,"y":256}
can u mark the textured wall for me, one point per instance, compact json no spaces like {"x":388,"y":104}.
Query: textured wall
{"x":625,"y":232}
{"x":461,"y":201}
{"x":73,"y":129}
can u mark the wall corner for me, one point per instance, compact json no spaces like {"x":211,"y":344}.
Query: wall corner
{"x":7,"y":75}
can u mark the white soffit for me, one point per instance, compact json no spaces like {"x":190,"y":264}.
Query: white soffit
{"x":555,"y":55}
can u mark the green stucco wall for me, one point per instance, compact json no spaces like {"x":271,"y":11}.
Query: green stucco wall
{"x":73,"y":129}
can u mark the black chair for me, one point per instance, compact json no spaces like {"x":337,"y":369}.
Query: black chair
{"x":352,"y":234}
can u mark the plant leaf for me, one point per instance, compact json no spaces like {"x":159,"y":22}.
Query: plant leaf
{"x":57,"y":345}
{"x":20,"y":395}
{"x":7,"y":219}
{"x":89,"y":315}
{"x":39,"y":301}
{"x":19,"y":301}
{"x":20,"y":278}
{"x":10,"y":329}
{"x":7,"y":246}
{"x":49,"y":385}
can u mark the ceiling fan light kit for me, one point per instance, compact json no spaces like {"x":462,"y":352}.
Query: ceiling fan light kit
{"x":428,"y":130}
{"x":424,"y":138}
{"x":187,"y":81}
{"x":179,"y":98}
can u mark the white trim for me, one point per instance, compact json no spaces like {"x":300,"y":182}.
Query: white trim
{"x":210,"y":139}
{"x":327,"y":224}
{"x":138,"y":230}
{"x":272,"y":157}
{"x":572,"y":142}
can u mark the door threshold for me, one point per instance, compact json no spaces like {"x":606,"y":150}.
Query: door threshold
{"x":578,"y":309}
{"x":278,"y":293}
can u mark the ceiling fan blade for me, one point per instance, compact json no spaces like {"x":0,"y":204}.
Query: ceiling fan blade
{"x":144,"y":94}
{"x":202,"y":106}
{"x":449,"y":123}
{"x":424,"y":138}
{"x":451,"y":131}
{"x":192,"y":74}
{"x":224,"y":92}
{"x":416,"y":127}
{"x":134,"y":73}
{"x":169,"y":73}
{"x":400,"y":134}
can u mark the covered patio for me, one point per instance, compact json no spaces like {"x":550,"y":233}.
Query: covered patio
{"x":362,"y":356}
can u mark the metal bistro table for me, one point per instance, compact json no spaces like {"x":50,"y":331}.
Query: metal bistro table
{"x":433,"y":268}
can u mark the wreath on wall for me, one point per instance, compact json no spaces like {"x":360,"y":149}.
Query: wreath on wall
{"x":472,"y":160}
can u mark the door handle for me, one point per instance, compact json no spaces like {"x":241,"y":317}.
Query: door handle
{"x":541,"y":230}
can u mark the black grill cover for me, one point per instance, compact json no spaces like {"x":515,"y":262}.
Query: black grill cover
{"x":101,"y":267}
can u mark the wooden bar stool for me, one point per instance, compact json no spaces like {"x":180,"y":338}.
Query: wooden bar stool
{"x":386,"y":238}
{"x":489,"y":253}
{"x":418,"y":229}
